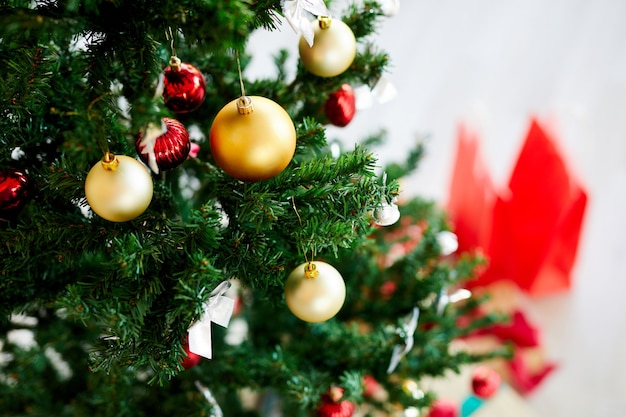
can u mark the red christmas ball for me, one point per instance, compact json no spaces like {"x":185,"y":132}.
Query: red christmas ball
{"x":370,"y":386}
{"x":443,"y":408}
{"x":15,"y":191}
{"x":191,"y":359}
{"x":183,"y":86}
{"x":341,"y":106}
{"x":485,"y":382}
{"x":332,"y":406}
{"x":164,"y":147}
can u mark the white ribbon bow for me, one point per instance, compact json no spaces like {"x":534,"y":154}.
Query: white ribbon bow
{"x":218,"y":309}
{"x":444,"y":298}
{"x":148,"y":140}
{"x":383,"y":91}
{"x":400,"y":350}
{"x":295,"y":12}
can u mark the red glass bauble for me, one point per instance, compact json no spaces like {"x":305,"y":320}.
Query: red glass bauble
{"x":15,"y":191}
{"x":332,"y":406}
{"x":192,"y":359}
{"x":183,"y":87}
{"x":341,"y":106}
{"x":165,"y":147}
{"x":485,"y":382}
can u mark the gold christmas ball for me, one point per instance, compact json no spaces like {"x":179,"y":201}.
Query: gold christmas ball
{"x":333,"y":50}
{"x":252,"y":138}
{"x":118,"y":188}
{"x":315,"y":291}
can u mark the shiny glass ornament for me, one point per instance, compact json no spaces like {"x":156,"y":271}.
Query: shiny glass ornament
{"x":386,"y":214}
{"x":340,"y":106}
{"x":315,"y":291}
{"x":15,"y":191}
{"x":184,"y":86}
{"x":252,"y":138}
{"x":485,"y":381}
{"x":333,"y":50}
{"x":164,"y":147}
{"x":118,"y":188}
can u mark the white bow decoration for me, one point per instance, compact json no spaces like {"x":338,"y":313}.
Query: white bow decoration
{"x":444,"y":298}
{"x":400,"y":350}
{"x":295,"y":12}
{"x":383,"y":91}
{"x":148,"y":140}
{"x":218,"y":309}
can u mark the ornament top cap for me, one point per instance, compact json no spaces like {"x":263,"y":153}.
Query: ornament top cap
{"x":244,"y":105}
{"x":110,"y":162}
{"x":310,"y":271}
{"x":325,"y":21}
{"x":175,"y":62}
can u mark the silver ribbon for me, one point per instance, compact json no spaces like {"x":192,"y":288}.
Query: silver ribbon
{"x":296,"y":13}
{"x":217,"y":410}
{"x":444,"y":298}
{"x":218,"y":309}
{"x":400,"y":350}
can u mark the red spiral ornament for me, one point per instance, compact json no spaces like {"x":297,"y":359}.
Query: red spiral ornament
{"x":166,"y":150}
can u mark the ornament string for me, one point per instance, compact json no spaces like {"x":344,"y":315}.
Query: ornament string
{"x":170,"y":36}
{"x":293,"y":204}
{"x":243,"y":89}
{"x":104,"y":147}
{"x":244,"y":105}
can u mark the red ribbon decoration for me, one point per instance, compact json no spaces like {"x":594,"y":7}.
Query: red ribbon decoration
{"x":529,"y":232}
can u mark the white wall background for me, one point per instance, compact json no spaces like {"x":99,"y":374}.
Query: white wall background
{"x":493,"y":64}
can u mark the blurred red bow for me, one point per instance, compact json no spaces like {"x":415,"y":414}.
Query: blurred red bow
{"x":530,"y":231}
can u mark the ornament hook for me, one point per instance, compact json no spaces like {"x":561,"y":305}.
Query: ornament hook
{"x":170,"y":36}
{"x":109,"y":161}
{"x":324,"y":21}
{"x":310,"y":271}
{"x":244,"y":104}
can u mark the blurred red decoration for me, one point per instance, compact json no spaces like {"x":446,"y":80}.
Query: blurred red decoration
{"x":194,"y":148}
{"x":184,"y":87}
{"x":15,"y":191}
{"x":523,"y":378}
{"x":371,"y":386}
{"x":518,"y":331}
{"x":167,"y":150}
{"x":529,"y":232}
{"x":333,"y":406}
{"x":191,"y":359}
{"x":485,"y":382}
{"x":341,"y":106}
{"x":443,"y":408}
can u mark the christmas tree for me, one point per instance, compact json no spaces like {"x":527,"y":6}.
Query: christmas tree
{"x":149,"y":192}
